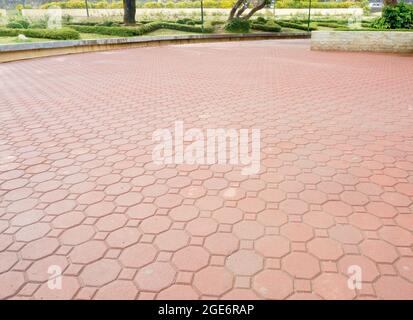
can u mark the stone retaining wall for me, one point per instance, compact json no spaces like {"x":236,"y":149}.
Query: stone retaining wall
{"x":376,"y":41}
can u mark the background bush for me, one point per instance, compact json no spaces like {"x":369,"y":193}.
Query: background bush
{"x":14,"y":25}
{"x":18,"y":21}
{"x":297,"y":4}
{"x":399,"y":16}
{"x":225,"y":4}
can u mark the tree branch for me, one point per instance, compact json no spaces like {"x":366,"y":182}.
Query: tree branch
{"x":234,"y":9}
{"x":241,"y":11}
{"x":255,"y":9}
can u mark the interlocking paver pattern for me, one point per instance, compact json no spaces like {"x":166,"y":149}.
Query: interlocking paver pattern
{"x":79,"y":189}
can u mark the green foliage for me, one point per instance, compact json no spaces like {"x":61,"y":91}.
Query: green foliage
{"x":152,"y":4}
{"x":399,"y":16}
{"x":141,"y":30}
{"x":269,"y":27}
{"x":104,"y":4}
{"x":330,"y":24}
{"x":315,"y":4}
{"x":217,"y":22}
{"x":187,"y":21}
{"x":184,"y":27}
{"x":40,"y":24}
{"x":295,"y":25}
{"x":260,"y":20}
{"x":57,"y":34}
{"x":238,"y":25}
{"x":14,"y":25}
{"x":80,"y":4}
{"x":365,"y":5}
{"x":108,"y":23}
{"x":111,"y":31}
{"x":67,"y":19}
{"x":225,"y":4}
{"x":18,"y":21}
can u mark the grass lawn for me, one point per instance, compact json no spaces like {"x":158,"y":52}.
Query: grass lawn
{"x":168,"y":32}
{"x":14,"y":40}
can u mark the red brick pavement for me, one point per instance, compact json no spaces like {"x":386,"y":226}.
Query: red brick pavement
{"x":79,"y":190}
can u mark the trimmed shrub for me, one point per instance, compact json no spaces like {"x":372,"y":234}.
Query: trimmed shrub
{"x":217,"y":22}
{"x":138,"y":31}
{"x":110,"y":31}
{"x":83,"y":23}
{"x":238,"y":25}
{"x":40,"y":24}
{"x":183,"y":21}
{"x":185,"y":27}
{"x":14,"y":25}
{"x":270,"y":26}
{"x":330,"y":24}
{"x":149,"y":27}
{"x":57,"y":34}
{"x":23,"y":22}
{"x":108,"y":23}
{"x":295,"y":25}
{"x":261,"y":20}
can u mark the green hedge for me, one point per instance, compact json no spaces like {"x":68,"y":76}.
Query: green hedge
{"x":185,"y":27}
{"x":138,"y":31}
{"x":295,"y":25}
{"x":330,"y":25}
{"x":263,"y":27}
{"x":110,"y":31}
{"x":238,"y":25}
{"x":58,"y":34}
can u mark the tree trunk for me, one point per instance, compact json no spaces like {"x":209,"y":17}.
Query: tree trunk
{"x":234,"y":9}
{"x":241,"y":11}
{"x":390,"y":2}
{"x":129,"y":12}
{"x":237,"y":10}
{"x":255,"y":9}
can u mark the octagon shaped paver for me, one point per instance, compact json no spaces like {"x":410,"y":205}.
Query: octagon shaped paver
{"x":79,"y":187}
{"x":213,"y":281}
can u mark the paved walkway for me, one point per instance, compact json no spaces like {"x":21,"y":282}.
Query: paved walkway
{"x":80,"y":192}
